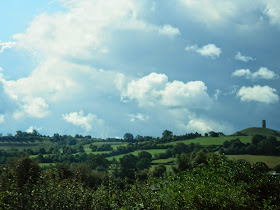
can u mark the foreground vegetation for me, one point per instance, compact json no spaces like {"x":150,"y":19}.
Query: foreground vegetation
{"x":201,"y":181}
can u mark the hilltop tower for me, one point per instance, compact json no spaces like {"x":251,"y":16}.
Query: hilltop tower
{"x":263,"y":124}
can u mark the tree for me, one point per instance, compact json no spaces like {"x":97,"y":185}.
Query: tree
{"x":159,"y":170}
{"x":144,"y":160}
{"x":26,"y":171}
{"x":128,"y":137}
{"x":97,"y":162}
{"x":257,"y":138}
{"x":128,"y":166}
{"x":167,"y":134}
{"x":213,"y":134}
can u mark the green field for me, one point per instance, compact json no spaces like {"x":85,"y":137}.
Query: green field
{"x":165,"y":161}
{"x":36,"y":145}
{"x":151,"y":151}
{"x":98,"y":144}
{"x":213,"y":140}
{"x":270,"y":161}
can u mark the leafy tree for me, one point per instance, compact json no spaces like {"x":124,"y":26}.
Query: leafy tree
{"x":144,"y":160}
{"x":128,"y":166}
{"x":257,"y":138}
{"x":128,"y":137}
{"x":213,"y":134}
{"x":97,"y":162}
{"x":26,"y":171}
{"x":167,"y":134}
{"x":159,"y":170}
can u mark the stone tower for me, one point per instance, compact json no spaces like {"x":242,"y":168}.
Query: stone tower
{"x":263,"y":124}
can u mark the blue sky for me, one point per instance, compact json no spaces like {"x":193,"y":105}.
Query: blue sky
{"x":104,"y":68}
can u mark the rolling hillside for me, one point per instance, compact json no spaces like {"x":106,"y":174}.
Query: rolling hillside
{"x":257,"y":130}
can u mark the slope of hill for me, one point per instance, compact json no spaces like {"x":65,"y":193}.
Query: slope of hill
{"x":257,"y":130}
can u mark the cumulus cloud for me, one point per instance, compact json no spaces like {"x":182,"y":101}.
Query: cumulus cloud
{"x":96,"y":21}
{"x":36,"y":107}
{"x":2,"y":118}
{"x":272,"y":11}
{"x":32,"y":128}
{"x":209,"y":50}
{"x":242,"y":72}
{"x":6,"y":45}
{"x":263,"y":94}
{"x":243,"y":58}
{"x":138,"y":116}
{"x":169,"y":31}
{"x":204,"y":125}
{"x":155,"y":89}
{"x":199,"y":126}
{"x":85,"y":122}
{"x":210,"y":12}
{"x":262,"y":73}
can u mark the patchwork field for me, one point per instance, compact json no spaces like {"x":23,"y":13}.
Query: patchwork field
{"x":270,"y":161}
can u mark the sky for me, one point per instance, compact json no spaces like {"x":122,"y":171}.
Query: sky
{"x":106,"y":68}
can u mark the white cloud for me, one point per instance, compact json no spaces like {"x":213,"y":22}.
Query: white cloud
{"x":210,"y":12}
{"x":85,"y":28}
{"x":145,"y":90}
{"x":209,"y":50}
{"x":6,"y":45}
{"x":263,"y":94}
{"x":272,"y":11}
{"x":204,"y":125}
{"x":36,"y":107}
{"x":155,"y":89}
{"x":243,"y":58}
{"x":199,"y":126}
{"x":138,"y":116}
{"x":169,"y":31}
{"x":191,"y":94}
{"x":262,"y":73}
{"x":32,"y":128}
{"x":2,"y":118}
{"x":242,"y":72}
{"x":85,"y":122}
{"x":32,"y":107}
{"x":217,"y":93}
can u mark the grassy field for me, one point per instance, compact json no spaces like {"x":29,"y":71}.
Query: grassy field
{"x":98,"y":144}
{"x":36,"y":145}
{"x":167,"y":161}
{"x":151,"y":151}
{"x":213,"y":140}
{"x":270,"y":161}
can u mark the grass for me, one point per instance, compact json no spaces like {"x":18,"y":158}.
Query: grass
{"x":42,"y":165}
{"x":206,"y":141}
{"x":257,"y":130}
{"x":151,"y":151}
{"x":98,"y":144}
{"x":167,"y":161}
{"x":270,"y":161}
{"x":36,"y":145}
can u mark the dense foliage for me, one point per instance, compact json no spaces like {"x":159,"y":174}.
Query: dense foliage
{"x":209,"y":181}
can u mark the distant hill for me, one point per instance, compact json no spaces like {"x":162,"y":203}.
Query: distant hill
{"x":257,"y":130}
